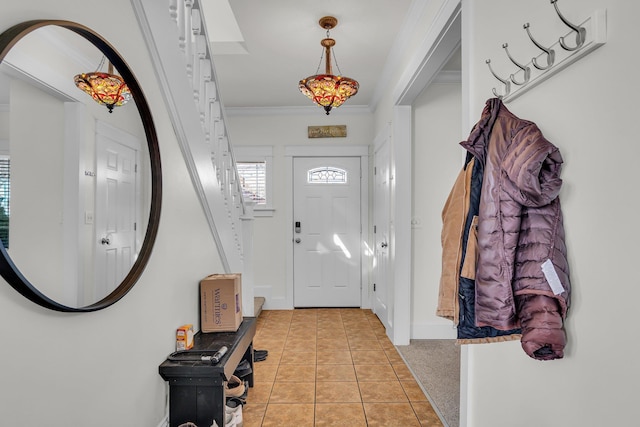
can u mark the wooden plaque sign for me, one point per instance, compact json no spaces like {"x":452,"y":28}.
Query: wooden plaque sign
{"x":337,"y":131}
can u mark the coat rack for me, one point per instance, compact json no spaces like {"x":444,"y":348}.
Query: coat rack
{"x":581,"y":40}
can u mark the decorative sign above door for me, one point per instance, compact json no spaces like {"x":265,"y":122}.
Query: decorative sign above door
{"x":337,"y":131}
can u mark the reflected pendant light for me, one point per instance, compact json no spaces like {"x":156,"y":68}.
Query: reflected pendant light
{"x":105,"y":88}
{"x":327,"y":90}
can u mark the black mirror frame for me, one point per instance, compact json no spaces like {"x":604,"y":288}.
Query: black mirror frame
{"x":8,"y":270}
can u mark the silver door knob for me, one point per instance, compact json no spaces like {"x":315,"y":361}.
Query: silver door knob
{"x":298,"y":240}
{"x":383,"y":245}
{"x":105,"y":241}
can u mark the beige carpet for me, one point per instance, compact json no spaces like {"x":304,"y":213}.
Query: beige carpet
{"x":436,"y":365}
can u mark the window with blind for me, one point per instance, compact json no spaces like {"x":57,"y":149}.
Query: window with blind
{"x":255,"y":170}
{"x":253,"y":178}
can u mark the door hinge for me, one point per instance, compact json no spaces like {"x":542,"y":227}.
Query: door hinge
{"x":374,"y":287}
{"x":374,"y":229}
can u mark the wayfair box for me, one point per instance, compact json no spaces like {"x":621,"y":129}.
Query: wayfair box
{"x":221,"y":303}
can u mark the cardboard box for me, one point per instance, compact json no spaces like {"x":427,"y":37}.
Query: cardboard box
{"x":184,"y":337}
{"x":221,"y":303}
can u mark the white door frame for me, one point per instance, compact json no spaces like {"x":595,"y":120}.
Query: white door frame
{"x":437,"y":47}
{"x":361,"y":151}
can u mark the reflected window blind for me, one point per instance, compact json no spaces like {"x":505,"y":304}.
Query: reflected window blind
{"x":5,"y":198}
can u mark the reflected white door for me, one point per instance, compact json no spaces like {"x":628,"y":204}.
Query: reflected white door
{"x":382,"y":297}
{"x":327,"y":232}
{"x":115,"y":215}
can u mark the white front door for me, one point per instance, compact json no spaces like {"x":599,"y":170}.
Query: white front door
{"x":382,"y":297}
{"x":327,"y":232}
{"x":115,"y":214}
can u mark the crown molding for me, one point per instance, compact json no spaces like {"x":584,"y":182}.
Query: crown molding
{"x":295,"y":111}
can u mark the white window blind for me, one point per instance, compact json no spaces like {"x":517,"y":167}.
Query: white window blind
{"x":253,"y":178}
{"x":5,"y":197}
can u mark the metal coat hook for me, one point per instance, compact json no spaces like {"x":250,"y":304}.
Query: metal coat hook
{"x":551,"y":54}
{"x":581,"y":32}
{"x":524,"y":68}
{"x":589,"y":35}
{"x":505,"y":82}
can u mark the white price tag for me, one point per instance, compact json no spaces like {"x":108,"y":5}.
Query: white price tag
{"x":550,"y":274}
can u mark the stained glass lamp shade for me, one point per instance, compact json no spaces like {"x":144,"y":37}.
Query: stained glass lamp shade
{"x":328,"y":90}
{"x":105,"y":88}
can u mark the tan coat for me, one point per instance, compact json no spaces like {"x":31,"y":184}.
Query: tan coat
{"x":454,"y":216}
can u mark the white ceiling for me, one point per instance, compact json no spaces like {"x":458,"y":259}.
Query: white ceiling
{"x":262,"y":48}
{"x":281,"y":44}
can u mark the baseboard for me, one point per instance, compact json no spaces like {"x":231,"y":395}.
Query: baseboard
{"x":433,"y":331}
{"x":276,"y":304}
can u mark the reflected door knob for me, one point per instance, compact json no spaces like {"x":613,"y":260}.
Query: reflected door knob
{"x":298,"y":240}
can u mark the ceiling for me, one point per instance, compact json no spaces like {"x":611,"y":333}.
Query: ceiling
{"x":275,"y":43}
{"x":263,"y":48}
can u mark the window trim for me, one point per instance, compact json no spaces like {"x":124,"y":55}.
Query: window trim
{"x":259,"y":153}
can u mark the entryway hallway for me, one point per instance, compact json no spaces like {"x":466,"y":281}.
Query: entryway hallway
{"x":331,"y":367}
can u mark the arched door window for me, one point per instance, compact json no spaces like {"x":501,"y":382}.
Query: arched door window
{"x":327,"y":175}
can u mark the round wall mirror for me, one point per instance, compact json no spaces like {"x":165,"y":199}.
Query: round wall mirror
{"x":80,"y":183}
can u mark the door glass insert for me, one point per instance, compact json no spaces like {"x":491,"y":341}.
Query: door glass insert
{"x":327,"y":175}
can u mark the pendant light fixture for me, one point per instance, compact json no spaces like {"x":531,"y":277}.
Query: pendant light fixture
{"x":327,"y":90}
{"x":105,"y":88}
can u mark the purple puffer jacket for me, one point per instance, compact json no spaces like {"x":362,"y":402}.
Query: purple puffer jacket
{"x":522,"y":277}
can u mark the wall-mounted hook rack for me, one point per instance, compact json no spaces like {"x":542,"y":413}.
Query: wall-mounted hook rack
{"x":589,"y":35}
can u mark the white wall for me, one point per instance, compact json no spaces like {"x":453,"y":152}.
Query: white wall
{"x":36,"y":229}
{"x":279,"y":131}
{"x":436,"y":162}
{"x":589,"y":111}
{"x":420,"y":18}
{"x":101,"y":369}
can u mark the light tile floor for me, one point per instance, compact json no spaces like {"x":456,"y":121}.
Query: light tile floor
{"x":331,"y":367}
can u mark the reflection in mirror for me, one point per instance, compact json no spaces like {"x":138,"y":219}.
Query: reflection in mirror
{"x":76,"y":183}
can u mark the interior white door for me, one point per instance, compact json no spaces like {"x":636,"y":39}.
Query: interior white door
{"x":382,"y":296}
{"x":115,"y":213}
{"x":327,"y":232}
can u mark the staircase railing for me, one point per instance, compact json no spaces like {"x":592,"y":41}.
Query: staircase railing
{"x":177,"y":39}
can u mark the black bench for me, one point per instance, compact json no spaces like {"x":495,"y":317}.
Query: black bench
{"x":196,"y":388}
